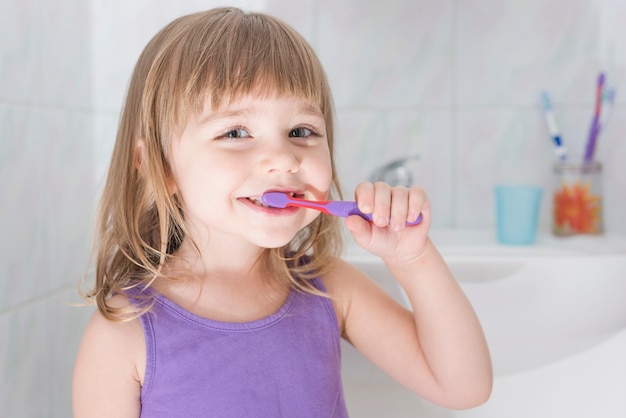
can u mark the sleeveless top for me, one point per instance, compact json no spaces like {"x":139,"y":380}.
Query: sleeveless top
{"x":285,"y":365}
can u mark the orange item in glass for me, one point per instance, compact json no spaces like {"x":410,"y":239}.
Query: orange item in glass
{"x":577,"y":200}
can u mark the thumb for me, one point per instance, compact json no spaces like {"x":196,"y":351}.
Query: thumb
{"x":360,"y":229}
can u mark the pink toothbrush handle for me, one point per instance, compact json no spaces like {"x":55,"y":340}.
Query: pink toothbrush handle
{"x":346,"y":208}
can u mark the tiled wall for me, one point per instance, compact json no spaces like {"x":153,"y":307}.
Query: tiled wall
{"x":46,"y":199}
{"x":458,"y":82}
{"x":455,"y":81}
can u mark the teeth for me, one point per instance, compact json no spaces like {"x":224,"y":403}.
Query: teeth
{"x":257,"y":201}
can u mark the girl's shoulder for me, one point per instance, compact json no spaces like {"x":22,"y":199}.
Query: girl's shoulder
{"x":108,"y":341}
{"x":343,"y":279}
{"x":110,"y":365}
{"x":346,"y":284}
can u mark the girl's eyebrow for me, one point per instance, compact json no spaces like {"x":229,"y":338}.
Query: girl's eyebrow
{"x":211,"y":116}
{"x":312,"y":110}
{"x":308,"y":109}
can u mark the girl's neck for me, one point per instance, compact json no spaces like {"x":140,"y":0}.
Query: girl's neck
{"x":208,"y":261}
{"x":225,"y":283}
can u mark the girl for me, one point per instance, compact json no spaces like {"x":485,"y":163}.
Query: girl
{"x":211,"y":304}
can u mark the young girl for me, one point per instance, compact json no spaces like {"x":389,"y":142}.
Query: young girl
{"x":211,"y":304}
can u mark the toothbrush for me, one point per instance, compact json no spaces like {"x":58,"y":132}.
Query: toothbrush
{"x":559,"y":149}
{"x":595,"y":124}
{"x":608,"y":97}
{"x":333,"y":207}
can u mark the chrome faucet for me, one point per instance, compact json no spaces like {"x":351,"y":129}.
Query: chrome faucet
{"x":395,"y":173}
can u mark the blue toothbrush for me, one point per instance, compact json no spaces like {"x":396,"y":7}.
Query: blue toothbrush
{"x":559,"y":148}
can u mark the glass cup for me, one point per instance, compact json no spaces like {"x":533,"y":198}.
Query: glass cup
{"x":577,"y":199}
{"x":517,"y":213}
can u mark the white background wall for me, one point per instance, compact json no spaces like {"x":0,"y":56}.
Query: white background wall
{"x":456,"y":81}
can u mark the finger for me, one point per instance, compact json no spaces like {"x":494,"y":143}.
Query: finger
{"x":360,"y":229}
{"x":364,"y":196}
{"x":399,"y":208}
{"x":382,"y":204}
{"x":417,"y":200}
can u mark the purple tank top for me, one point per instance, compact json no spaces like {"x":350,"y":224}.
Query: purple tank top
{"x":285,"y":365}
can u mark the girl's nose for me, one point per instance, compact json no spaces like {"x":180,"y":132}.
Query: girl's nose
{"x":281,"y":159}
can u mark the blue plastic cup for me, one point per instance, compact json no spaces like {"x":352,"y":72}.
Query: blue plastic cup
{"x":517,"y":213}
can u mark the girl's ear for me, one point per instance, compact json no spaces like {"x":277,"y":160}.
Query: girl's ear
{"x":140,"y":156}
{"x":141,"y":161}
{"x":170,"y":181}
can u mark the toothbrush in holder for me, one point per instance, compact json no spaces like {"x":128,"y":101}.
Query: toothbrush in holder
{"x":340,"y":208}
{"x":595,"y":123}
{"x":553,"y":129}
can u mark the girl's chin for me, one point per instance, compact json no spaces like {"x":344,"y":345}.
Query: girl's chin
{"x":274,"y":242}
{"x":280,"y":235}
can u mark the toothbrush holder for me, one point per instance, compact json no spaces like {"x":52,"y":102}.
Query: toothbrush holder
{"x":577,"y":199}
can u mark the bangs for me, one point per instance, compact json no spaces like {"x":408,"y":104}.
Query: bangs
{"x":231,"y":54}
{"x":260,"y":57}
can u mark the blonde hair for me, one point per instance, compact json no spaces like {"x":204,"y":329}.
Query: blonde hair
{"x":216,"y":55}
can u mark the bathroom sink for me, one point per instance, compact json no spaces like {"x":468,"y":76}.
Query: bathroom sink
{"x":537,"y":304}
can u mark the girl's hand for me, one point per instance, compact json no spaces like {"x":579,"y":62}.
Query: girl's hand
{"x":391,"y":207}
{"x":436,"y":348}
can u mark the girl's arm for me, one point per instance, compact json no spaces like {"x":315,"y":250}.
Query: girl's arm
{"x":106,"y":375}
{"x":438,"y":350}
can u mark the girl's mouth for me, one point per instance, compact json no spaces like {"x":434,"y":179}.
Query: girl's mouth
{"x":257,"y":199}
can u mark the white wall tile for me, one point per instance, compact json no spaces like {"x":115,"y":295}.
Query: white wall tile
{"x":65,"y":321}
{"x":38,"y":346}
{"x":104,"y":133}
{"x":506,"y":53}
{"x":498,"y":147}
{"x":70,"y":194}
{"x":65,"y":52}
{"x":20,"y":52}
{"x":301,"y":15}
{"x":24,"y":386}
{"x":394,"y":53}
{"x":45,"y":52}
{"x":611,"y":150}
{"x":23,"y":251}
{"x":47,"y":201}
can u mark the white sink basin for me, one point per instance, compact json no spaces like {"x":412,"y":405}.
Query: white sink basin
{"x":537,"y":304}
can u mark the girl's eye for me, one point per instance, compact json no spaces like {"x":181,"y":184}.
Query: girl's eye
{"x":237,"y":133}
{"x":300,"y":133}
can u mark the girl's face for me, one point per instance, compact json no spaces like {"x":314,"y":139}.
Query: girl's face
{"x":226,"y":158}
